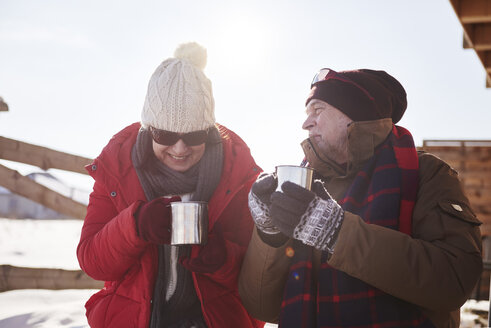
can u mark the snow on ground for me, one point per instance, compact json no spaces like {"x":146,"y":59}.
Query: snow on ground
{"x":40,"y":243}
{"x":52,"y":244}
{"x":474,"y":314}
{"x":28,"y":308}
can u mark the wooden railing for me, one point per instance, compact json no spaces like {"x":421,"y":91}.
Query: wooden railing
{"x":44,"y":158}
{"x":12,"y":277}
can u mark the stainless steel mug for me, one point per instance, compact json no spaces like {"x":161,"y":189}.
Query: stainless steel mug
{"x":189,"y":223}
{"x":300,"y":175}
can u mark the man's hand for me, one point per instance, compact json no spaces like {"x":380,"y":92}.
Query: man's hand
{"x":312,"y":217}
{"x":259,"y":202}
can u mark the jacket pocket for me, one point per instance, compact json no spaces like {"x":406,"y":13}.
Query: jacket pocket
{"x":459,"y":211}
{"x":461,"y":227}
{"x":107,"y":309}
{"x":429,"y":227}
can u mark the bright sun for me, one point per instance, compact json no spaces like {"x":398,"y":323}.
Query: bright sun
{"x":241,"y":45}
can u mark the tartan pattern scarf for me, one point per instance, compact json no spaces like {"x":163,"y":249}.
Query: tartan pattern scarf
{"x":382,"y":193}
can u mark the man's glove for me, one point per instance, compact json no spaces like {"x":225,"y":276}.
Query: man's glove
{"x":259,"y":202}
{"x":312,"y":217}
{"x":211,"y":257}
{"x":153,"y":220}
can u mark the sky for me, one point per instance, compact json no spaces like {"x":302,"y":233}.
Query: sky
{"x":74,"y":73}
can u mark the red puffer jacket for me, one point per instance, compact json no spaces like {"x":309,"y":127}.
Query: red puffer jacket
{"x":110,"y":249}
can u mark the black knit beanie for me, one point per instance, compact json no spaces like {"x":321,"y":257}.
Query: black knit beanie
{"x":383,"y":96}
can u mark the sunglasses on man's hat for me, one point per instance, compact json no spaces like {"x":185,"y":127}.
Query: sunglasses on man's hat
{"x":326,"y":74}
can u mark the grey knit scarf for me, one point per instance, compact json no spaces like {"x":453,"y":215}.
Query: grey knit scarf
{"x":175,"y":302}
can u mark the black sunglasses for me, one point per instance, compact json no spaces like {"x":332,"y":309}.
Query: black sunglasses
{"x":168,"y":138}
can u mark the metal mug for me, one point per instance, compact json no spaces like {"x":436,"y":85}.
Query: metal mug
{"x":299,"y":175}
{"x":189,"y":223}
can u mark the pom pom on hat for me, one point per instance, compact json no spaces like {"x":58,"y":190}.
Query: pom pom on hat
{"x":179,"y":96}
{"x":192,"y":52}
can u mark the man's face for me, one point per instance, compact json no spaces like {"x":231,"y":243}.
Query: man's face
{"x":327,"y":128}
{"x":178,"y":157}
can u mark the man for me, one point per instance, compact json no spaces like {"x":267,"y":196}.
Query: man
{"x":177,"y":152}
{"x":386,"y":236}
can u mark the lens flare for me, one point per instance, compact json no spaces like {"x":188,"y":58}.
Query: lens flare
{"x":289,"y":252}
{"x":296,"y":276}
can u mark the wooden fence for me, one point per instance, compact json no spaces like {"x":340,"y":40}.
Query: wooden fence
{"x":44,"y":158}
{"x":12,"y":277}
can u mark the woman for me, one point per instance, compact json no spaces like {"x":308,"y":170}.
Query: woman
{"x":177,"y":152}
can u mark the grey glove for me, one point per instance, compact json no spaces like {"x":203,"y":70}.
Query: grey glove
{"x":312,"y":217}
{"x":259,"y":202}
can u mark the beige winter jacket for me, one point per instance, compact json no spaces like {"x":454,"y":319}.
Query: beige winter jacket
{"x":436,"y":268}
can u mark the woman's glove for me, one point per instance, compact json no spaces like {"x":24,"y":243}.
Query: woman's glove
{"x":211,"y":257}
{"x":153,"y":220}
{"x":312,"y":217}
{"x":259,"y":202}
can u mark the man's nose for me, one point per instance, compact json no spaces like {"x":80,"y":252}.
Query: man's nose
{"x":309,"y":123}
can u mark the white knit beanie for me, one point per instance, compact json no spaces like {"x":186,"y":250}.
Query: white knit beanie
{"x":179,"y":96}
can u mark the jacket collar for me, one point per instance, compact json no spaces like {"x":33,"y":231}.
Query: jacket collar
{"x":363,"y":138}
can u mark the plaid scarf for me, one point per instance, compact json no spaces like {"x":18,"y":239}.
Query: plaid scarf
{"x":382,"y":193}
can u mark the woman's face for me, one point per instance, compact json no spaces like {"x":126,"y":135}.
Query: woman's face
{"x":178,"y":157}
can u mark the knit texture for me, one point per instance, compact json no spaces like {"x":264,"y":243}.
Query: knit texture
{"x":179,"y":96}
{"x":386,"y":96}
{"x":261,"y":216}
{"x":320,"y":224}
{"x":382,"y":193}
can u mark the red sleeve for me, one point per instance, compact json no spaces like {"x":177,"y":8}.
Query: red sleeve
{"x":109,"y":244}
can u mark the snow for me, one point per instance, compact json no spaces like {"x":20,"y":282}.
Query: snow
{"x":40,"y":243}
{"x":28,"y":308}
{"x":52,"y":244}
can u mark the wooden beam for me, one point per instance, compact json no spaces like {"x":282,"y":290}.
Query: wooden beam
{"x":466,"y":42}
{"x":21,"y":185}
{"x":45,"y":158}
{"x":474,"y":11}
{"x":481,"y":37}
{"x":12,"y":277}
{"x":478,"y":202}
{"x":483,"y":56}
{"x":467,"y":159}
{"x":478,"y":194}
{"x":475,"y":16}
{"x":485,"y":229}
{"x":3,"y":106}
{"x":486,"y":60}
{"x":483,"y":210}
{"x":470,"y":159}
{"x":456,"y":143}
